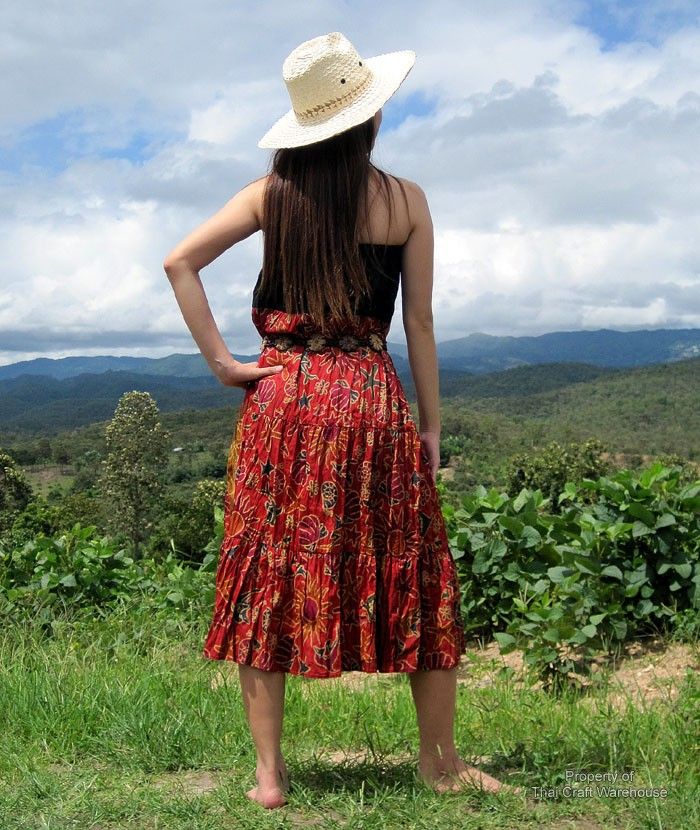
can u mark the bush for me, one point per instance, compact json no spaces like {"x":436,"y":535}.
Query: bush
{"x":550,"y":469}
{"x":187,"y":527}
{"x":50,"y":577}
{"x":15,"y":490}
{"x":621,"y":556}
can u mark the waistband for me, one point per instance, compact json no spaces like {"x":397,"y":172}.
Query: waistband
{"x":318,"y":342}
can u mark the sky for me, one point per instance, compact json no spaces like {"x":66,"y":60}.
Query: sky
{"x":556,"y":142}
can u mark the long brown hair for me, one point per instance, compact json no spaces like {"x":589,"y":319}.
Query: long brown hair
{"x":315,"y":207}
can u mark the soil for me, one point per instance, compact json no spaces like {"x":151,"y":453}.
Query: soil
{"x":647,"y":670}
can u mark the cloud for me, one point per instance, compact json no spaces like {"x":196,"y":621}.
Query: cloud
{"x":556,"y":142}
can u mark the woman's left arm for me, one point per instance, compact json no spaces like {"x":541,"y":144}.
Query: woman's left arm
{"x":237,"y":219}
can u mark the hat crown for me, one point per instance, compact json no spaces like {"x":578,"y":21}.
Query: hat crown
{"x":324,"y":74}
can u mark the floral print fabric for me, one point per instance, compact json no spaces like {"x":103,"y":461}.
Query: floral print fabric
{"x":335,"y":554}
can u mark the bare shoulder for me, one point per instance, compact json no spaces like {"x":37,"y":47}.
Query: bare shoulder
{"x":414,"y":190}
{"x":254,"y":193}
{"x":417,"y":201}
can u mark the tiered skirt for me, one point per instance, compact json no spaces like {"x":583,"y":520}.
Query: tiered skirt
{"x":335,"y":554}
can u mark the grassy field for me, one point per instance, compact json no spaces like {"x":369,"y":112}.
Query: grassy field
{"x":118,"y":722}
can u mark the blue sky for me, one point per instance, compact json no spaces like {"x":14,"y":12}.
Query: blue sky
{"x":556,"y":141}
{"x":53,"y":144}
{"x":626,"y":21}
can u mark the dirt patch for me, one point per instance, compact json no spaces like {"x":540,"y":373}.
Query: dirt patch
{"x":362,"y":756}
{"x":43,"y":477}
{"x":650,"y":671}
{"x":298,"y":819}
{"x":446,"y":473}
{"x":481,"y":666}
{"x":357,"y":681}
{"x":646,"y":671}
{"x":187,"y":782}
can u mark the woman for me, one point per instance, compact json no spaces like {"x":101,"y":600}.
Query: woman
{"x":335,"y":555}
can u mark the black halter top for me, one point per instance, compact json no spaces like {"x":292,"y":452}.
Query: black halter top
{"x":383,"y":264}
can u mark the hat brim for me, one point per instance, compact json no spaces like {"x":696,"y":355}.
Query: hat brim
{"x":389,"y":71}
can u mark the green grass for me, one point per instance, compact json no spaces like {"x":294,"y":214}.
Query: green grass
{"x":116,"y":722}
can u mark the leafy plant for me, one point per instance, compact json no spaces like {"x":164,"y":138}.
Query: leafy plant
{"x":621,"y":555}
{"x":53,"y":576}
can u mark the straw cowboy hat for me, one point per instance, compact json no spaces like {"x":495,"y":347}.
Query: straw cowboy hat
{"x":333,"y":88}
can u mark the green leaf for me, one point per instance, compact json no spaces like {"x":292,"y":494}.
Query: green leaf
{"x":684,"y":570}
{"x":619,"y":627}
{"x":558,"y":573}
{"x":640,"y":529}
{"x":612,"y":570}
{"x":521,"y":499}
{"x":665,"y":520}
{"x":640,"y":512}
{"x":505,"y":641}
{"x":69,"y":581}
{"x":531,"y":536}
{"x":645,"y":607}
{"x":515,"y":526}
{"x":619,"y":529}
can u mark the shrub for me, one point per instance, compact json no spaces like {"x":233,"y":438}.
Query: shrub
{"x":187,"y":527}
{"x":550,"y":469}
{"x":622,"y":555}
{"x":50,"y":577}
{"x":15,"y":491}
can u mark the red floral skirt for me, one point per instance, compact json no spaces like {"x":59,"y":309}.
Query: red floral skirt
{"x":335,"y":554}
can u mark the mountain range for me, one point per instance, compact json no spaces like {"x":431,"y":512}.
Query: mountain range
{"x":47,"y":395}
{"x":476,"y":353}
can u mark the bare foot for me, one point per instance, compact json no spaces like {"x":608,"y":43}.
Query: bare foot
{"x":271,"y":787}
{"x":452,"y":774}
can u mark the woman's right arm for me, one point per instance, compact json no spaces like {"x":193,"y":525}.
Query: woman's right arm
{"x":417,"y":312}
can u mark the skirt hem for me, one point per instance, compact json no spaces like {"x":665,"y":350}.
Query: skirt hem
{"x":330,"y":675}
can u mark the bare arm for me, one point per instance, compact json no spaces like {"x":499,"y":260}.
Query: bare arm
{"x":237,"y":219}
{"x":417,"y":312}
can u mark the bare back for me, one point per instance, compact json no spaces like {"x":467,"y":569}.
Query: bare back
{"x":411,"y":227}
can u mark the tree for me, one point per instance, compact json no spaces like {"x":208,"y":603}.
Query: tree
{"x":15,"y":490}
{"x":132,"y":480}
{"x":60,"y":452}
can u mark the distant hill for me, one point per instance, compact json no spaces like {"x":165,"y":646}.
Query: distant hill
{"x":508,"y":383}
{"x":646,"y":409}
{"x":174,"y":365}
{"x":477,"y":353}
{"x":604,"y":347}
{"x":46,"y":405}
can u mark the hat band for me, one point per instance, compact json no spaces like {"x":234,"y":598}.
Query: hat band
{"x":309,"y":116}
